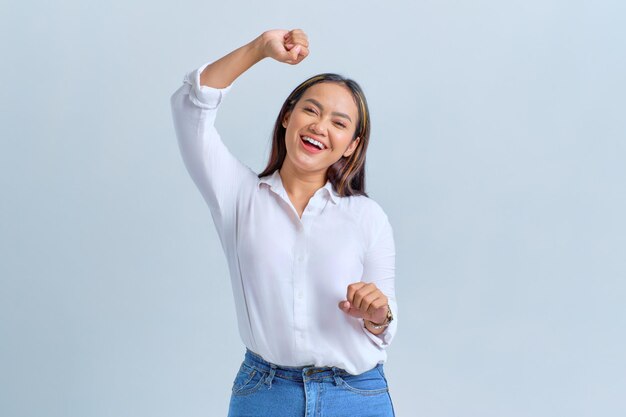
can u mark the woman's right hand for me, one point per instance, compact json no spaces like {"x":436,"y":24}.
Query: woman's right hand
{"x":288,"y":46}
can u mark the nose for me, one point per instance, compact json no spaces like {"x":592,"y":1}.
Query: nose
{"x":318,"y":128}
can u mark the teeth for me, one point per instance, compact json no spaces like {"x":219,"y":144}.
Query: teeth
{"x":313,"y":141}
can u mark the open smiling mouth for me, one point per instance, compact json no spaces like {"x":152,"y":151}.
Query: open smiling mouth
{"x":311,"y":144}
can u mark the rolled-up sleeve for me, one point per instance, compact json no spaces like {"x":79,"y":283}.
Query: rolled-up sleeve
{"x":379,"y":268}
{"x":216,"y":172}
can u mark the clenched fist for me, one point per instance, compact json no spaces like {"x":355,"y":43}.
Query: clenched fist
{"x":290,"y":47}
{"x":366,"y":301}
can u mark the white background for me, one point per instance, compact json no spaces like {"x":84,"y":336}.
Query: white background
{"x":497,"y":152}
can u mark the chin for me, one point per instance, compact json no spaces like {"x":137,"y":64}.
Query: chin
{"x":303,"y":164}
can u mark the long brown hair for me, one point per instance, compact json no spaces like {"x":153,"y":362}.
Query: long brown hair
{"x":347,"y":175}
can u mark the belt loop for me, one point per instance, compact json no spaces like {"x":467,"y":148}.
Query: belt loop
{"x":336,"y":377}
{"x":269,"y":378}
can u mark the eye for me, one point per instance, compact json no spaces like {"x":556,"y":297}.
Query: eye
{"x":308,"y":109}
{"x":340,"y":124}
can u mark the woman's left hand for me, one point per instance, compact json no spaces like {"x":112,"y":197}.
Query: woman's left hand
{"x":364,"y":300}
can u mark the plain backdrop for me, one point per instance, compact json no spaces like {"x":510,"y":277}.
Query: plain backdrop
{"x":497,"y":151}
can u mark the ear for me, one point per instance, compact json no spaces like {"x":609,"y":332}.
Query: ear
{"x":286,"y":119}
{"x":351,"y":147}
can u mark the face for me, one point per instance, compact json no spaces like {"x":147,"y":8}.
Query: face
{"x":327,"y":113}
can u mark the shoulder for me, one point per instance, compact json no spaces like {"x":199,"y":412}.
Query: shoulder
{"x":368,"y":208}
{"x":369,"y":214}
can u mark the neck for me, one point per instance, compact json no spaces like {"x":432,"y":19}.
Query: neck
{"x":301,"y":184}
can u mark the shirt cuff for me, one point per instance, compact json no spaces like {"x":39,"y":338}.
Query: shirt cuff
{"x":201,"y":95}
{"x":383,"y":339}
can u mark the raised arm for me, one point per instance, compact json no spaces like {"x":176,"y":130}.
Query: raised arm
{"x":217,"y":173}
{"x":284,"y":46}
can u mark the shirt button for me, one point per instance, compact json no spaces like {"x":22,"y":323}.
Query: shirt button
{"x":300,"y":295}
{"x":300,"y":257}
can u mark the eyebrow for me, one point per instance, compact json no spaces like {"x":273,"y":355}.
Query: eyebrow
{"x":336,"y":113}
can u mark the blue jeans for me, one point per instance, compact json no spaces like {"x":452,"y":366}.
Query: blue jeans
{"x":262,"y":389}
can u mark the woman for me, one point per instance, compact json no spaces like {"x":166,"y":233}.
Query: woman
{"x":311,"y":256}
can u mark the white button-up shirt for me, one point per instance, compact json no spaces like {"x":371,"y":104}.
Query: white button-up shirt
{"x":288,"y":274}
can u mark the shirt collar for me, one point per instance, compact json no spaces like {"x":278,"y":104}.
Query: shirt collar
{"x":276,"y":183}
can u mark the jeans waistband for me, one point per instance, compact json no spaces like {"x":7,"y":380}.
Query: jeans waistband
{"x":297,"y":373}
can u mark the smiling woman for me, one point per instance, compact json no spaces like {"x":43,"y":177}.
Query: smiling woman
{"x":315,"y":332}
{"x":331,"y":110}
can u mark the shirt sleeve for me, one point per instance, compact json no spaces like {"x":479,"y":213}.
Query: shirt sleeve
{"x":215,"y":171}
{"x":379,"y":268}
